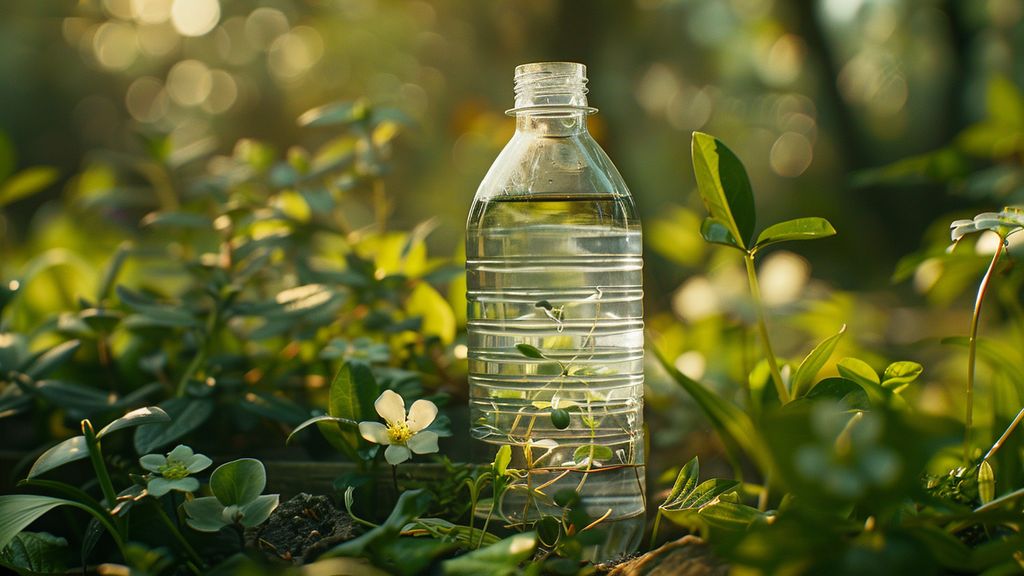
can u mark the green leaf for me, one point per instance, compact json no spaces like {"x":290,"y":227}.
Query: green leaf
{"x":186,"y":415}
{"x":205,"y":514}
{"x":75,"y":397}
{"x":499,"y":559}
{"x":841,"y":390}
{"x":593,"y":452}
{"x":138,"y":417}
{"x":803,"y":379}
{"x":67,"y":451}
{"x":37,"y":553}
{"x":724,"y":186}
{"x":715,"y":232}
{"x":729,"y":515}
{"x":530,"y":351}
{"x":238,"y":482}
{"x":859,"y":372}
{"x":733,"y":425}
{"x":317,"y":420}
{"x":684,"y":510}
{"x":352,"y":395}
{"x":986,"y":482}
{"x":411,"y":504}
{"x":17,"y":511}
{"x":26,"y":183}
{"x":686,"y":480}
{"x":501,"y":460}
{"x":899,"y":374}
{"x":797,"y":229}
{"x":52,"y":359}
{"x":257,"y":511}
{"x":334,"y":114}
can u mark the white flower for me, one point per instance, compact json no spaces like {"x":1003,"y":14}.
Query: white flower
{"x":403,"y":435}
{"x":173,"y":471}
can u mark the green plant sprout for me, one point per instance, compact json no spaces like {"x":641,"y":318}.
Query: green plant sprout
{"x":725,"y":189}
{"x":1005,"y":223}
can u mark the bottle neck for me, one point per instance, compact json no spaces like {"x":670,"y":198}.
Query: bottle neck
{"x":551,"y":99}
{"x":548,"y":123}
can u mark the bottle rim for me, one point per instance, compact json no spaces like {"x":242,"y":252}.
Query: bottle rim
{"x":550,"y":88}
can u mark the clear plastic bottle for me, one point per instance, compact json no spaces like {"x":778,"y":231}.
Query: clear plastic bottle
{"x":555,"y":314}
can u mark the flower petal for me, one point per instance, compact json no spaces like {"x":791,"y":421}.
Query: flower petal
{"x":396,"y":454}
{"x":423,"y":442}
{"x":157,"y":487}
{"x":181,"y":453}
{"x":153,"y":462}
{"x":199,"y":463}
{"x":390,"y":406}
{"x":185,"y":484}
{"x":374,"y":432}
{"x":421,"y":414}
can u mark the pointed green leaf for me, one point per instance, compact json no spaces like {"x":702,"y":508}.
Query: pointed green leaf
{"x":686,"y":480}
{"x":730,"y":515}
{"x":316,"y":420}
{"x":138,"y":417}
{"x":501,"y":460}
{"x":52,"y":359}
{"x":186,"y":415}
{"x":724,"y":186}
{"x":238,"y":482}
{"x":352,"y":395}
{"x":499,"y":559}
{"x":530,"y":351}
{"x":859,"y":372}
{"x":17,"y":511}
{"x":67,"y":451}
{"x":899,"y":374}
{"x":803,"y":379}
{"x":733,"y":425}
{"x":715,"y":232}
{"x":26,"y":183}
{"x":797,"y":229}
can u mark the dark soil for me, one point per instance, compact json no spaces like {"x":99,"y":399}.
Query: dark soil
{"x":304,"y":527}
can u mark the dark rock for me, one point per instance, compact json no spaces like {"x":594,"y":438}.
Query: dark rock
{"x":304,"y":527}
{"x":688,"y":556}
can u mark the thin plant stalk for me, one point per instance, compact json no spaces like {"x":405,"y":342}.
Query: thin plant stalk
{"x":972,"y":348}
{"x":1002,"y":439}
{"x":173,"y":528}
{"x":755,"y":294}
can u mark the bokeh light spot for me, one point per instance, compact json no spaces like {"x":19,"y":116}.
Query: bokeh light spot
{"x":195,"y":17}
{"x":263,"y":26}
{"x":146,"y":99}
{"x":223,"y":93}
{"x":294,"y":53}
{"x":151,"y":11}
{"x":115,"y":45}
{"x":189,"y":82}
{"x":791,"y":154}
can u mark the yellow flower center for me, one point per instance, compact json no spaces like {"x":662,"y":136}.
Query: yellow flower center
{"x":174,"y":470}
{"x":398,"y":432}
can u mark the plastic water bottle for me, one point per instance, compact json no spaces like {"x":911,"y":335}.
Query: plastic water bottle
{"x":555,"y":314}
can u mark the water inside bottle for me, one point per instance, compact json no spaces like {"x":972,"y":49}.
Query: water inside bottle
{"x":555,"y":323}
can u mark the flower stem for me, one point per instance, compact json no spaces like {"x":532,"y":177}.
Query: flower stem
{"x":1002,"y":439}
{"x":100,"y":467}
{"x":185,"y":545}
{"x":755,"y":294}
{"x":972,"y":348}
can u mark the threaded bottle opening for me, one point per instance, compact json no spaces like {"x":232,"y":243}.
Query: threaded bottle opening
{"x":551,"y":88}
